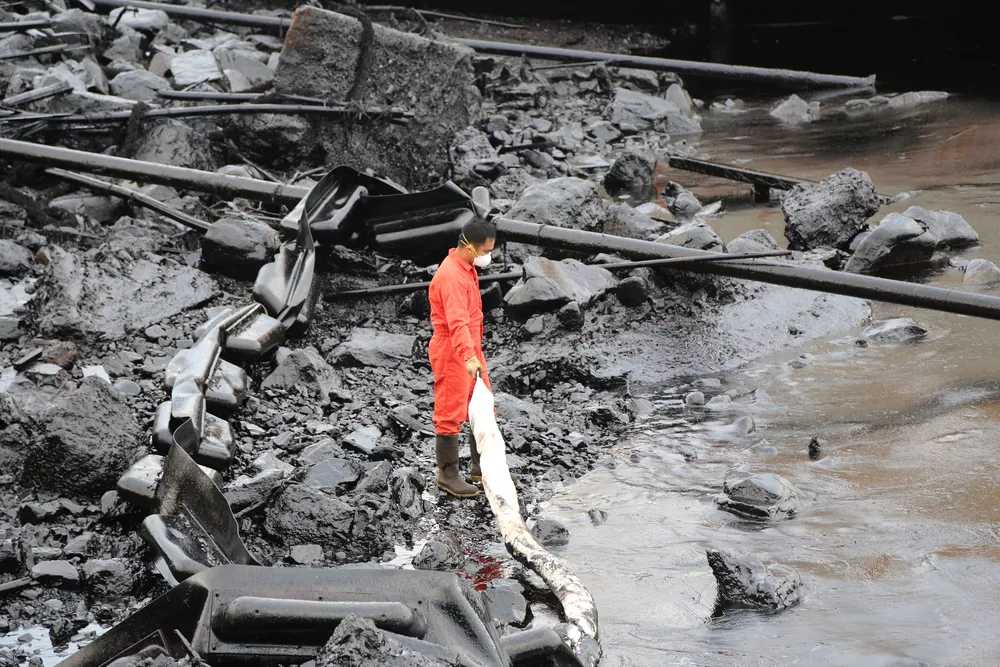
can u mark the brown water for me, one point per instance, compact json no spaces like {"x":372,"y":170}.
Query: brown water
{"x":900,"y":552}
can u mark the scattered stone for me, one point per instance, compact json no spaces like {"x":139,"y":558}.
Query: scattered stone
{"x":372,"y":347}
{"x":507,"y":602}
{"x":605,"y":132}
{"x":981,"y":272}
{"x":570,"y":316}
{"x":108,"y":578}
{"x":648,"y":112}
{"x":357,"y":642}
{"x":760,"y":496}
{"x":85,"y":296}
{"x":85,"y":441}
{"x":15,"y":260}
{"x":754,"y":241}
{"x":763,"y":449}
{"x":899,"y":330}
{"x":81,"y":546}
{"x":139,"y":85}
{"x":633,"y":291}
{"x":695,"y":234}
{"x":623,"y":220}
{"x":631,"y":175}
{"x":303,"y":515}
{"x":676,"y":94}
{"x":897,"y":240}
{"x":364,"y":440}
{"x":830,"y":213}
{"x":597,"y":517}
{"x":197,"y":66}
{"x":680,"y":201}
{"x":443,"y":553}
{"x":56,"y":573}
{"x":239,"y":247}
{"x":815,"y":449}
{"x":96,"y":371}
{"x":915,"y":98}
{"x":951,"y":229}
{"x":550,"y":533}
{"x":405,"y":488}
{"x":128,"y":387}
{"x":796,"y":110}
{"x":143,"y":20}
{"x":720,"y":402}
{"x":564,"y":202}
{"x":170,"y":141}
{"x":307,"y":554}
{"x":548,"y":285}
{"x":474,"y":161}
{"x":745,"y":582}
{"x":332,"y":475}
{"x":376,"y":479}
{"x":305,"y":367}
{"x":695,"y":399}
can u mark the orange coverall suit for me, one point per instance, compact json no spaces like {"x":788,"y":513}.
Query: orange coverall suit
{"x":457,"y":317}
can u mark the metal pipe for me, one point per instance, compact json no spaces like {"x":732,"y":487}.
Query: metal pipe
{"x":36,"y":94}
{"x":214,"y":110}
{"x":18,"y":26}
{"x":517,"y":275}
{"x":132,"y":195}
{"x":150,"y":172}
{"x":790,"y":275}
{"x":199,"y":14}
{"x":686,"y":67}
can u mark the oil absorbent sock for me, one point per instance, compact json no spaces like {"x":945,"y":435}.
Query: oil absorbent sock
{"x":578,"y":605}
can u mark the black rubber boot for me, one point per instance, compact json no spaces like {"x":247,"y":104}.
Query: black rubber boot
{"x":475,"y":471}
{"x":448,"y":479}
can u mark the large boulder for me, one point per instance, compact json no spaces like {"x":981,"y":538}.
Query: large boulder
{"x":83,"y":442}
{"x":89,"y":295}
{"x":897,"y":240}
{"x":745,"y":582}
{"x":433,"y":78}
{"x":372,"y":347}
{"x":623,"y":220}
{"x":651,"y":113}
{"x":239,"y":247}
{"x":563,"y":202}
{"x":981,"y":272}
{"x":632,"y":175}
{"x":695,"y":234}
{"x":549,"y":285}
{"x":760,"y":496}
{"x":304,"y":515}
{"x":951,"y":229}
{"x":830,"y":213}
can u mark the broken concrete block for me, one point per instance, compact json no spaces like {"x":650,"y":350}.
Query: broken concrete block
{"x":432,"y":78}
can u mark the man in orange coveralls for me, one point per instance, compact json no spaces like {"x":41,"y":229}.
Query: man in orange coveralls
{"x":456,"y":350}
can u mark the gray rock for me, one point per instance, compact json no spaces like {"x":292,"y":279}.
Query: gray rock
{"x":760,"y":496}
{"x":507,"y":601}
{"x":914,"y":98}
{"x":648,"y":112}
{"x":513,"y":184}
{"x":95,"y":207}
{"x":56,"y":573}
{"x":744,"y":582}
{"x":623,"y":220}
{"x":763,"y":449}
{"x":641,"y":79}
{"x":15,"y":260}
{"x":633,"y":291}
{"x":144,"y":20}
{"x":831,"y":213}
{"x":306,"y":554}
{"x":474,"y":161}
{"x":333,"y":475}
{"x":550,"y":533}
{"x":81,"y":546}
{"x":720,"y":402}
{"x":195,"y":66}
{"x":756,"y":240}
{"x":364,"y":439}
{"x":951,"y":229}
{"x":604,"y":132}
{"x":564,"y":202}
{"x":897,"y":240}
{"x":694,"y":399}
{"x":405,"y":488}
{"x":631,"y":174}
{"x":676,"y":94}
{"x":376,"y":479}
{"x":84,"y":442}
{"x":899,"y":330}
{"x":127,"y":47}
{"x":86,"y":296}
{"x":108,"y":578}
{"x":695,"y":234}
{"x":139,"y":85}
{"x":443,"y":553}
{"x":303,"y":515}
{"x":570,"y":316}
{"x":239,"y":247}
{"x":357,"y":642}
{"x":318,"y":451}
{"x":173,"y":142}
{"x":432,"y":78}
{"x":305,"y":367}
{"x":550,"y":285}
{"x":244,"y":71}
{"x":680,"y":201}
{"x":372,"y":347}
{"x":981,"y":272}
{"x":128,"y":387}
{"x":795,"y":110}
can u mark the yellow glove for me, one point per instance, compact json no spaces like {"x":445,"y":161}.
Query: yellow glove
{"x":474,"y":367}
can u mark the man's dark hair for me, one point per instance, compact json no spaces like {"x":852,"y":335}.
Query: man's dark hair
{"x":478,"y":231}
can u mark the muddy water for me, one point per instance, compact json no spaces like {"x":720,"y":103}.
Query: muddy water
{"x":900,"y":551}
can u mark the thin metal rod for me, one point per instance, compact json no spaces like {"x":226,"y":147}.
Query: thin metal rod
{"x":150,"y":172}
{"x":134,"y":196}
{"x":790,"y":275}
{"x":686,"y":67}
{"x":18,"y":26}
{"x":56,"y":48}
{"x":37,"y":94}
{"x":441,"y":15}
{"x":517,"y":275}
{"x":215,"y":110}
{"x":234,"y":97}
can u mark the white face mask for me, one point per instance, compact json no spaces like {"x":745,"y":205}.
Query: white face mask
{"x":483,"y":260}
